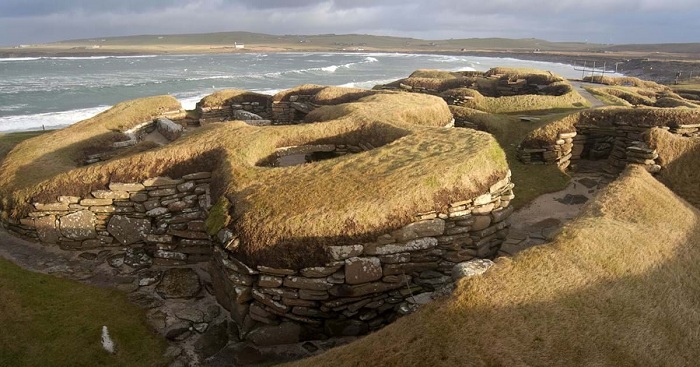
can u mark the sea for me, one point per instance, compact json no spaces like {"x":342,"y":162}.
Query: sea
{"x":53,"y":92}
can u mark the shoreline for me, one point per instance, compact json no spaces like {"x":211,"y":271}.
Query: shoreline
{"x":654,"y":66}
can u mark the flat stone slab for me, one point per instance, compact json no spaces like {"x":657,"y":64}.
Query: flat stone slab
{"x":573,"y":199}
{"x":179,"y":283}
{"x":79,"y":225}
{"x":471,"y":268}
{"x":588,"y":182}
{"x":128,"y":230}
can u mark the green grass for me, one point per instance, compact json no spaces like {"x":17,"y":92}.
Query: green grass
{"x":607,"y":98}
{"x":47,"y":321}
{"x":530,"y":181}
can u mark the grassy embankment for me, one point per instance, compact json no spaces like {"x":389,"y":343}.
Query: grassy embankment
{"x":286,"y":216}
{"x":628,"y":91}
{"x":480,"y":91}
{"x":498,"y":115}
{"x":681,"y":159}
{"x":619,"y":286}
{"x":10,"y":140}
{"x":48,"y":321}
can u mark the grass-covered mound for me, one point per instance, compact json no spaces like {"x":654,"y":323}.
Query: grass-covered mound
{"x":47,"y":321}
{"x":285,"y":216}
{"x":680,"y":158}
{"x":34,"y":160}
{"x":618,"y":287}
{"x":499,"y":90}
{"x":629,"y":91}
{"x":606,"y":117}
{"x":226,"y":97}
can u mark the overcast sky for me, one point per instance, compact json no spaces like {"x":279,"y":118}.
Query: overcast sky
{"x":601,"y":21}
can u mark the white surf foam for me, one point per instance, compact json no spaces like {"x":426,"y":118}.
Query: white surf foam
{"x":19,"y":59}
{"x":49,"y":120}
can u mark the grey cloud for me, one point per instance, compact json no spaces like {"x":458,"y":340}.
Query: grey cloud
{"x":32,"y":21}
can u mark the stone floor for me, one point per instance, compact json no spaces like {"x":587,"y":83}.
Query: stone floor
{"x":542,"y":219}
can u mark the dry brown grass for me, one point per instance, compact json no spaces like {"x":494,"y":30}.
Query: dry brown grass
{"x":307,"y":89}
{"x":435,"y":74}
{"x":618,"y":287}
{"x":557,"y":93}
{"x":338,"y":95}
{"x":680,"y":158}
{"x":533,"y":76}
{"x":10,"y":140}
{"x":639,"y":96}
{"x":569,"y":99}
{"x":50,"y":154}
{"x":625,"y":81}
{"x":647,"y":117}
{"x":227,"y":97}
{"x":286,"y":216}
{"x":669,"y":102}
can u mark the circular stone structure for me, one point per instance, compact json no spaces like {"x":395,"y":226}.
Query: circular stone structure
{"x":339,"y":246}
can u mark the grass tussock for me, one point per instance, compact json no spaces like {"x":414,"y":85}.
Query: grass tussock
{"x":606,"y":117}
{"x":600,"y":294}
{"x":48,"y":321}
{"x":679,"y":156}
{"x":286,"y":216}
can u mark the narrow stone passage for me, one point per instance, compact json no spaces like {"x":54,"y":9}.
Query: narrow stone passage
{"x":542,"y":219}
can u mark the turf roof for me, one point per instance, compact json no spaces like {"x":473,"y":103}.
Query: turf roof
{"x":286,"y":216}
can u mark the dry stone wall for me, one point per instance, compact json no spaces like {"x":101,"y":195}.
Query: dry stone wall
{"x":162,"y":215}
{"x":366,"y":285}
{"x":619,"y":144}
{"x":226,"y":112}
{"x":291,"y":111}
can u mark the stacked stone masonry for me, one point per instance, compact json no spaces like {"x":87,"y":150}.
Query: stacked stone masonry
{"x":619,"y":144}
{"x":287,"y":112}
{"x":164,"y":125}
{"x":162,"y":215}
{"x":366,"y":285}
